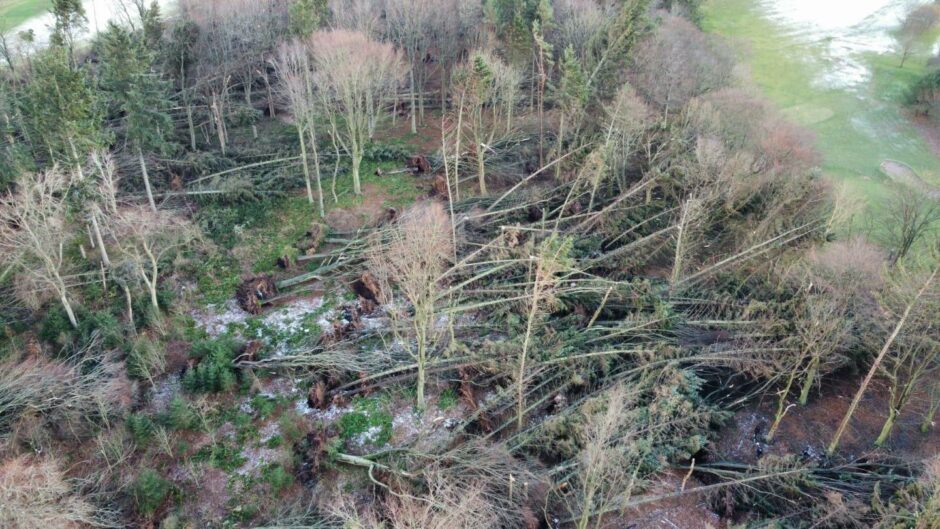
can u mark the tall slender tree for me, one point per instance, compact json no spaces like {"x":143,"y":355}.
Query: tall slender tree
{"x":354,"y":75}
{"x":138,"y":95}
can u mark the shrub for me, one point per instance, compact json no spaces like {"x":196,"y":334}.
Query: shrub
{"x":150,"y":491}
{"x":278,"y":478}
{"x":140,"y":426}
{"x":367,"y":423}
{"x":215,"y":371}
{"x":180,"y":415}
{"x":55,"y":327}
{"x":145,"y":359}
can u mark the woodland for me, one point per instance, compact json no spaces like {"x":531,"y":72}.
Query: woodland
{"x":445,"y":264}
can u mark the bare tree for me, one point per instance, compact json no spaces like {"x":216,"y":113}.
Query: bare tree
{"x":578,"y":24}
{"x":410,"y":24}
{"x":297,"y":86}
{"x":354,"y":75}
{"x":679,"y":62}
{"x":410,"y":258}
{"x":357,"y":15}
{"x":909,"y":216}
{"x":34,"y":234}
{"x":915,"y":26}
{"x":145,"y":238}
{"x":485,"y":90}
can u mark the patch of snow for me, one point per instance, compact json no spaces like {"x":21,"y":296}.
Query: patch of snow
{"x":270,"y":431}
{"x":369,"y":436}
{"x":216,"y":322}
{"x":163,"y":391}
{"x":289,"y":318}
{"x":256,"y":458}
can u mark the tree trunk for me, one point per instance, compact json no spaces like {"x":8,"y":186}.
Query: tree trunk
{"x":422,"y":361}
{"x":130,"y":305}
{"x":304,"y":164}
{"x":481,"y":168}
{"x":356,"y":162}
{"x":808,"y":381}
{"x":68,"y":309}
{"x":414,"y":113}
{"x":97,"y":229}
{"x":316,"y":170}
{"x":191,"y":126}
{"x":520,"y":377}
{"x":146,"y":175}
{"x":877,"y":363}
{"x":888,"y":426}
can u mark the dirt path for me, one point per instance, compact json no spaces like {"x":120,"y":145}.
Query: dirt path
{"x":903,"y":174}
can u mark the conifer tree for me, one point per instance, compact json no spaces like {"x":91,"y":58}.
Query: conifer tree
{"x":138,"y":95}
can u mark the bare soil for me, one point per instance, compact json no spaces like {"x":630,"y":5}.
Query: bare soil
{"x":807,"y":430}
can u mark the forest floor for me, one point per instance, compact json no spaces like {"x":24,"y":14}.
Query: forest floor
{"x":835,"y":69}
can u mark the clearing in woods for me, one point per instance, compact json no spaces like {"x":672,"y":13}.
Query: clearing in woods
{"x":833,"y":67}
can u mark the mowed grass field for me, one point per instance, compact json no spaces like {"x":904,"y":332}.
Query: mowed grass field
{"x":15,"y":12}
{"x":854,"y":103}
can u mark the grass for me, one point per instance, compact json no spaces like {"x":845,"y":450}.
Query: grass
{"x":857,"y":128}
{"x":15,"y":12}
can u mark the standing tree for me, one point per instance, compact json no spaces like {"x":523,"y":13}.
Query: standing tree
{"x":551,"y":259}
{"x":297,"y":86}
{"x":412,"y":257}
{"x":412,"y":25}
{"x":354,"y":74}
{"x":139,"y":96}
{"x":61,"y":111}
{"x":305,"y":17}
{"x":679,"y":62}
{"x":908,"y":217}
{"x":145,"y":239}
{"x":34,"y":234}
{"x":70,"y":21}
{"x":915,"y":26}
{"x":484,"y":90}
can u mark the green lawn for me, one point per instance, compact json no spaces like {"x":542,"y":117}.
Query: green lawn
{"x":15,"y":12}
{"x":857,"y":128}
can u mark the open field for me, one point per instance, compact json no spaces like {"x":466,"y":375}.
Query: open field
{"x":839,"y":77}
{"x":15,"y":12}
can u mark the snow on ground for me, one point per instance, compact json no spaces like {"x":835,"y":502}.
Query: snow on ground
{"x":216,"y":320}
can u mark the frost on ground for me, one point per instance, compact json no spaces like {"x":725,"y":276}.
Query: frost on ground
{"x":163,"y":391}
{"x":216,"y":320}
{"x":290,"y":319}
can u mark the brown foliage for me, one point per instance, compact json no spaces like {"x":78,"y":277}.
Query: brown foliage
{"x":679,"y":62}
{"x":34,"y":494}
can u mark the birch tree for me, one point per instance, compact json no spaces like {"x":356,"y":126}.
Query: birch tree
{"x":146,"y":238}
{"x":34,"y":235}
{"x":297,"y":87}
{"x":410,"y":259}
{"x":355,"y":74}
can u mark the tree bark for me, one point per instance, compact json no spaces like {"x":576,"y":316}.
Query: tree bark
{"x":97,"y":229}
{"x":146,"y":175}
{"x":316,"y":170}
{"x":304,"y":164}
